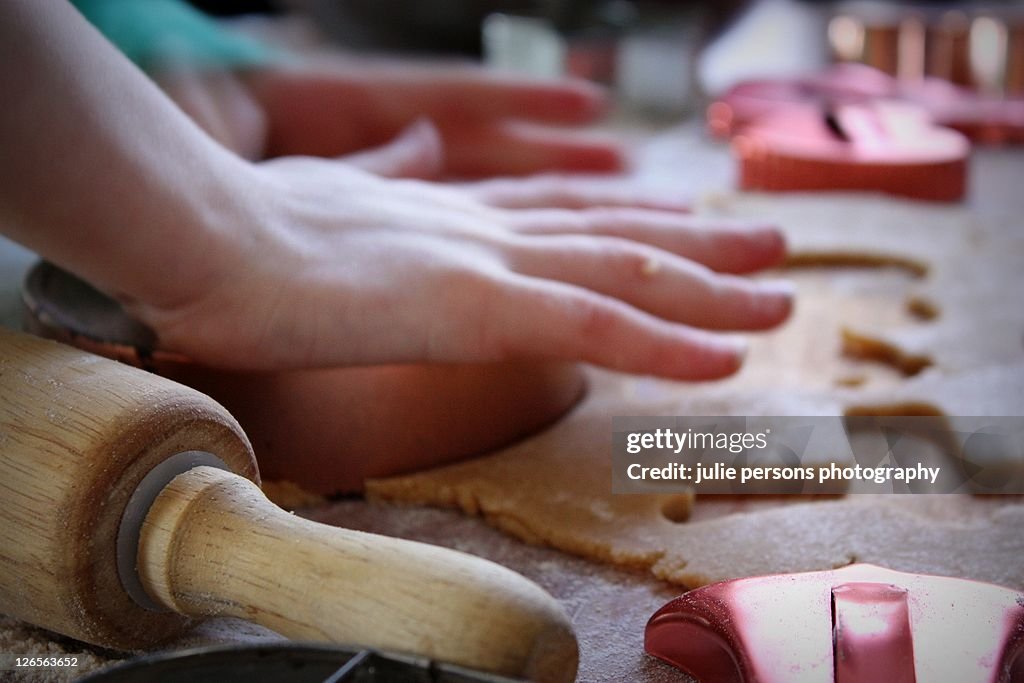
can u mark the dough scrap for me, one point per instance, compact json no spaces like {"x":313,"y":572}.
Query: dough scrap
{"x":863,"y":347}
{"x":554,"y":488}
{"x":854,"y":259}
{"x":922,"y":308}
{"x":289,"y":495}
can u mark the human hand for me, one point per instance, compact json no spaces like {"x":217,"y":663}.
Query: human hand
{"x":305,"y":262}
{"x":490,"y":123}
{"x":327,"y":265}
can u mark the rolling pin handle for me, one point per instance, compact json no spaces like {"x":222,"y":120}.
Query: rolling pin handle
{"x":213,"y":545}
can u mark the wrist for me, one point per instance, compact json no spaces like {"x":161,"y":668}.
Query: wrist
{"x":182,"y":251}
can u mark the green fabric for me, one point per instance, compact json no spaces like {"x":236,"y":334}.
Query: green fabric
{"x":153,"y":32}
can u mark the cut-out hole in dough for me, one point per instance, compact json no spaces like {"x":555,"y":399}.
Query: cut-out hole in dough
{"x":922,"y":309}
{"x":990,"y":461}
{"x":862,"y":347}
{"x":851,"y":381}
{"x":677,"y":508}
{"x":904,"y":409}
{"x":906,"y":432}
{"x":853,"y":259}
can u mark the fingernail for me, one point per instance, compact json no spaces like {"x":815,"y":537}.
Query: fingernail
{"x":421,"y":128}
{"x":778,"y":288}
{"x":777,"y":298}
{"x":739,"y":346}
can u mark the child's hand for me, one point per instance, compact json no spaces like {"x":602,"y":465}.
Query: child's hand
{"x":303,"y":262}
{"x":328,"y":265}
{"x":488,"y":120}
{"x":490,"y":123}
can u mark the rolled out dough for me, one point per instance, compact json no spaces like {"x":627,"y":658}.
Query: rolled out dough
{"x":555,"y":488}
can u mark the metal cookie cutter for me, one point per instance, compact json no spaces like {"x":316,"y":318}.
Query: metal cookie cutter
{"x":861,"y":623}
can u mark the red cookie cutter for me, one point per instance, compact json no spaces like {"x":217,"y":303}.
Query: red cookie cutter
{"x":883,"y":146}
{"x":985,"y":119}
{"x":858,"y":624}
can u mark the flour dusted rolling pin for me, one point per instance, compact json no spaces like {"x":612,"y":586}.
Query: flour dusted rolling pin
{"x":129,"y":503}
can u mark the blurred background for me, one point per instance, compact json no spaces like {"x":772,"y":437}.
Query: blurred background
{"x":672,"y":55}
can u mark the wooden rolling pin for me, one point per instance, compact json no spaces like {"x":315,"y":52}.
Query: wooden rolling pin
{"x":130,"y":504}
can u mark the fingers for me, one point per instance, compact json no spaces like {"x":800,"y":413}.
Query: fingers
{"x":718,"y":244}
{"x":655,"y":281}
{"x":496,"y":149}
{"x":336,"y":107}
{"x":514,"y":148}
{"x":488,"y":94}
{"x":568,"y":192}
{"x":537,"y":317}
{"x":468,"y":92}
{"x":417,"y":152}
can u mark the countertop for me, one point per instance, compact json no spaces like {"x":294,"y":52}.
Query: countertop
{"x":609,"y":606}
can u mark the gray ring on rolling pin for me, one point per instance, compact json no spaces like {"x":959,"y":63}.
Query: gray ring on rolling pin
{"x":142,"y":499}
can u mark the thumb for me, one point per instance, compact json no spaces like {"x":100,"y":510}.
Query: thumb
{"x":416,"y":152}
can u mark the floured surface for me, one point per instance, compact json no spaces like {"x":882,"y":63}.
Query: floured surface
{"x":978,"y":537}
{"x":947,"y":535}
{"x":22,"y":639}
{"x":608,"y":606}
{"x":555,"y":488}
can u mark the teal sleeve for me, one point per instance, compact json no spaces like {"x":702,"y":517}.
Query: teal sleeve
{"x":153,"y":31}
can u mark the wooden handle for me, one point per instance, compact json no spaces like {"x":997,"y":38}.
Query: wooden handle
{"x":212,"y":544}
{"x":80,"y":433}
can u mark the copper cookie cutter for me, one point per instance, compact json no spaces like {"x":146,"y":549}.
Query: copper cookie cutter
{"x":858,"y":624}
{"x":327,"y":430}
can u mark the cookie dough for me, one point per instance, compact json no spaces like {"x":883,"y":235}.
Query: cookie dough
{"x":554,"y":488}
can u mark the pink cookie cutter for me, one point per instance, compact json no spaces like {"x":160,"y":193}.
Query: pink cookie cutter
{"x":861,"y":623}
{"x":983,"y":118}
